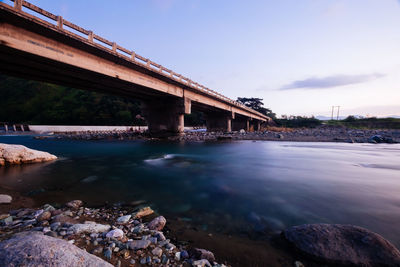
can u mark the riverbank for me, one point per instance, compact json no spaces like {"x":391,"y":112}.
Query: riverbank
{"x":318,"y":134}
{"x":123,"y":235}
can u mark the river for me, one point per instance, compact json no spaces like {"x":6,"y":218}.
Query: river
{"x":223,"y":187}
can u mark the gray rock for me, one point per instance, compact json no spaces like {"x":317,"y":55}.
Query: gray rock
{"x":61,"y":218}
{"x":204,"y":254}
{"x":202,"y":263}
{"x":116,"y":233}
{"x":124,"y":219}
{"x":184,"y":254}
{"x":160,"y":236}
{"x":108,"y":253}
{"x":45,"y":215}
{"x":5,"y":199}
{"x":157,"y":252}
{"x":74,"y":204}
{"x":89,"y":227}
{"x":138,"y":244}
{"x":35,"y":249}
{"x":157,"y":223}
{"x":343,"y":244}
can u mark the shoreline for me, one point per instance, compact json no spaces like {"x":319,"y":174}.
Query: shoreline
{"x":334,"y":134}
{"x":242,"y":250}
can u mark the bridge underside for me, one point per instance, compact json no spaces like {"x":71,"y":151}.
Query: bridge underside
{"x":33,"y":51}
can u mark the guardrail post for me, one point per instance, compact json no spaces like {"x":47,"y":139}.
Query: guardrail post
{"x":114,"y":47}
{"x":18,"y":5}
{"x":59,"y":22}
{"x":90,"y":36}
{"x":148,"y":63}
{"x":133,"y":56}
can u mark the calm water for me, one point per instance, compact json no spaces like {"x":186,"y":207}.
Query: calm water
{"x":227,"y":187}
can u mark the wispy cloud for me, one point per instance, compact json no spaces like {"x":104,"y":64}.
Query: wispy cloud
{"x":331,"y":81}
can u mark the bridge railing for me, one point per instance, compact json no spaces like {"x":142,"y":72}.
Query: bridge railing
{"x":112,"y":47}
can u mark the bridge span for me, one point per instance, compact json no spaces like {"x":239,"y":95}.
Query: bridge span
{"x":36,"y":44}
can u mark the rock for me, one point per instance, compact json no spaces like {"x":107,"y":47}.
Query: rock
{"x":5,"y":199}
{"x":202,"y":263}
{"x":36,"y":249}
{"x":48,"y":207}
{"x":17,"y":154}
{"x":142,"y":213}
{"x":89,"y":179}
{"x":204,"y":254}
{"x":138,"y":244}
{"x":108,"y":253}
{"x":178,"y":256}
{"x":74,"y":204}
{"x":343,"y":245}
{"x":298,"y":264}
{"x":7,"y":220}
{"x":157,"y":224}
{"x":184,"y":254}
{"x":44,"y":216}
{"x":124,"y":219}
{"x":89,"y":227}
{"x":116,"y":233}
{"x":160,"y":236}
{"x":157,"y":252}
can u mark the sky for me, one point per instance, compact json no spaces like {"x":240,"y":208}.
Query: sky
{"x":301,"y":56}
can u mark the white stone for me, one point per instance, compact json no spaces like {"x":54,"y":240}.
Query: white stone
{"x":124,"y":219}
{"x":17,"y":154}
{"x":89,"y":228}
{"x":5,"y":199}
{"x":116,"y":233}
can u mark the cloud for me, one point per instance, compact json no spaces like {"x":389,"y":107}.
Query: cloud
{"x":331,"y":81}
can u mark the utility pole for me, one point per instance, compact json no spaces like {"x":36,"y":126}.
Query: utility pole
{"x":337,"y":118}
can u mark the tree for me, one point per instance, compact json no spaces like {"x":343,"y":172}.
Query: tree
{"x":257,"y":105}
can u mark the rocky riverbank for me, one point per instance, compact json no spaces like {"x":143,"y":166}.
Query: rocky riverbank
{"x":120,"y":236}
{"x":319,"y":134}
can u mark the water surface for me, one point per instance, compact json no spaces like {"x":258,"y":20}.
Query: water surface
{"x":232,"y":187}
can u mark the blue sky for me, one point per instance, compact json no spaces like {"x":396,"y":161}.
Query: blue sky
{"x":301,"y":56}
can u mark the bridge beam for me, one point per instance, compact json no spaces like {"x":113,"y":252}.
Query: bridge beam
{"x":166,"y":116}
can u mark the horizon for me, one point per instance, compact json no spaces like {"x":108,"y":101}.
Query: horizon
{"x":329,"y":53}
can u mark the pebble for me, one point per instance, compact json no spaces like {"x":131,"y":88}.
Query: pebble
{"x":45,"y":215}
{"x":5,"y":199}
{"x":298,"y":264}
{"x":74,"y":204}
{"x":157,"y":223}
{"x":177,"y":256}
{"x":116,"y":233}
{"x":124,"y":219}
{"x":202,"y":263}
{"x":132,"y":261}
{"x":97,"y":250}
{"x":108,"y":254}
{"x":157,"y":252}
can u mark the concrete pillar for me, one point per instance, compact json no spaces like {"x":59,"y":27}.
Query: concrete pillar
{"x":219,"y":121}
{"x":165,"y":116}
{"x":22,"y":128}
{"x":6,"y":127}
{"x":14,"y":128}
{"x":247,"y":125}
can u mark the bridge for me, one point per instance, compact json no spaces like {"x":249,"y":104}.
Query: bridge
{"x":36,"y":44}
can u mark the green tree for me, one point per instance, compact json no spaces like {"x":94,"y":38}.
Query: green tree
{"x":257,"y":104}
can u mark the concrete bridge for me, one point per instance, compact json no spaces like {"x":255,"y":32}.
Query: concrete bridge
{"x":36,"y":44}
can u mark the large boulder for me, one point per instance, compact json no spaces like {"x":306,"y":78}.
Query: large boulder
{"x":17,"y":154}
{"x":35,"y":249}
{"x":343,"y":245}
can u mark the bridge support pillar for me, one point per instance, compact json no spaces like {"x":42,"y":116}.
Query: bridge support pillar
{"x":219,"y":122}
{"x":166,"y":116}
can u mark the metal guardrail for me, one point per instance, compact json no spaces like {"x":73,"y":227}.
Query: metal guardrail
{"x":114,"y":48}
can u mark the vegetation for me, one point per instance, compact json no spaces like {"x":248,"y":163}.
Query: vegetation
{"x":367,"y":123}
{"x":257,"y":104}
{"x":34,"y":102}
{"x":298,"y":122}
